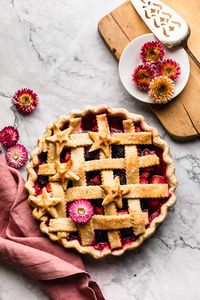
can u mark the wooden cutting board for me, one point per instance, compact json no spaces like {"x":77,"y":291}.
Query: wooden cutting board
{"x":181,"y":117}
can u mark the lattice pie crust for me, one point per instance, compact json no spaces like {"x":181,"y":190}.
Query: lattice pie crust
{"x":50,"y":206}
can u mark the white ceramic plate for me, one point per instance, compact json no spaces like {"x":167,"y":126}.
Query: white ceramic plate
{"x":130,"y":59}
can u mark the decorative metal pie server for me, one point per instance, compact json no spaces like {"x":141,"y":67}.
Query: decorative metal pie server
{"x":168,"y":26}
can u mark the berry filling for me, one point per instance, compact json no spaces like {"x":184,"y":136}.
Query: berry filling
{"x":115,"y":124}
{"x":153,"y":216}
{"x":127,"y":236}
{"x":98,"y":208}
{"x":73,"y":235}
{"x":41,"y":182}
{"x":42,"y":158}
{"x":101,"y":236}
{"x":89,"y":123}
{"x":122,"y":212}
{"x":157,"y":179}
{"x":102,"y":246}
{"x":93,"y":178}
{"x":118,"y":151}
{"x":65,"y":155}
{"x":121,"y":174}
{"x":101,"y":240}
{"x":90,"y":155}
{"x":138,"y":128}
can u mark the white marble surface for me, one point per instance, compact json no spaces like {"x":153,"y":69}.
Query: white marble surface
{"x":53,"y":47}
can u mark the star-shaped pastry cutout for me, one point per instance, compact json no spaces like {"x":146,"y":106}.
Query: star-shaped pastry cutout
{"x":102,"y":140}
{"x":115,"y":193}
{"x":45,"y":203}
{"x":61,"y":138}
{"x":64,"y":173}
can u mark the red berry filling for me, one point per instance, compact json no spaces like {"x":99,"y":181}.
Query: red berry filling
{"x":73,"y":235}
{"x":127,"y":235}
{"x":93,"y":178}
{"x":65,"y":155}
{"x":138,"y":129}
{"x":145,"y":175}
{"x":121,"y":174}
{"x":118,"y":151}
{"x":153,"y":216}
{"x":122,"y":212}
{"x":98,"y":210}
{"x":143,"y":181}
{"x":42,"y":158}
{"x":157,"y":179}
{"x":38,"y":190}
{"x":41,"y":182}
{"x":90,"y":155}
{"x":101,"y":240}
{"x":154,"y":204}
{"x":89,"y":123}
{"x":102,"y":246}
{"x":115,"y":124}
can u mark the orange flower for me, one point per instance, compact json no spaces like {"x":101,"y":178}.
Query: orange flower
{"x":161,"y":89}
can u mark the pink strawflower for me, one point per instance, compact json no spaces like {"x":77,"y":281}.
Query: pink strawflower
{"x":142,"y":77}
{"x":16,"y":156}
{"x":25,"y":100}
{"x":152,"y":52}
{"x":169,"y":68}
{"x":81,"y":211}
{"x":154,"y":66}
{"x":9,"y":136}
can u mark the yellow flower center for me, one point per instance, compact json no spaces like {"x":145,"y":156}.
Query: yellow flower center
{"x":161,"y":89}
{"x":81,"y":211}
{"x":15,"y":156}
{"x":25,"y":100}
{"x":168,"y":70}
{"x":144,"y":77}
{"x":152,"y":54}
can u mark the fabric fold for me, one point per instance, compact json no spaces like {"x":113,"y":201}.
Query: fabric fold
{"x":60,"y":272}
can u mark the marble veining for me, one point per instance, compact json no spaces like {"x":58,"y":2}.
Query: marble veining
{"x":54,"y":48}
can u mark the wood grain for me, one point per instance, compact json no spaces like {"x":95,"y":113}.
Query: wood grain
{"x":181,"y":117}
{"x":190,"y":11}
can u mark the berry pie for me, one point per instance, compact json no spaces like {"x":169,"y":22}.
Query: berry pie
{"x":101,"y":181}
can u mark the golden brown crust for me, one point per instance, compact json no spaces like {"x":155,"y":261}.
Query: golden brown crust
{"x":149,"y":136}
{"x":107,"y":178}
{"x":133,"y":164}
{"x":135,"y":191}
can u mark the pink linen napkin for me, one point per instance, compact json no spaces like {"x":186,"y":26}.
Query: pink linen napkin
{"x":60,"y":272}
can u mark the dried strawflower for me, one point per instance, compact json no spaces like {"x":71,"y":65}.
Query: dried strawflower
{"x":142,"y":76}
{"x":16,"y":156}
{"x":161,"y":89}
{"x":169,"y":68}
{"x":9,"y":136}
{"x":81,"y":211}
{"x":155,"y":66}
{"x":152,"y":52}
{"x":25,"y":100}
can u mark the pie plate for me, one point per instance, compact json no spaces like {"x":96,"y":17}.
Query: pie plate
{"x":130,"y":59}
